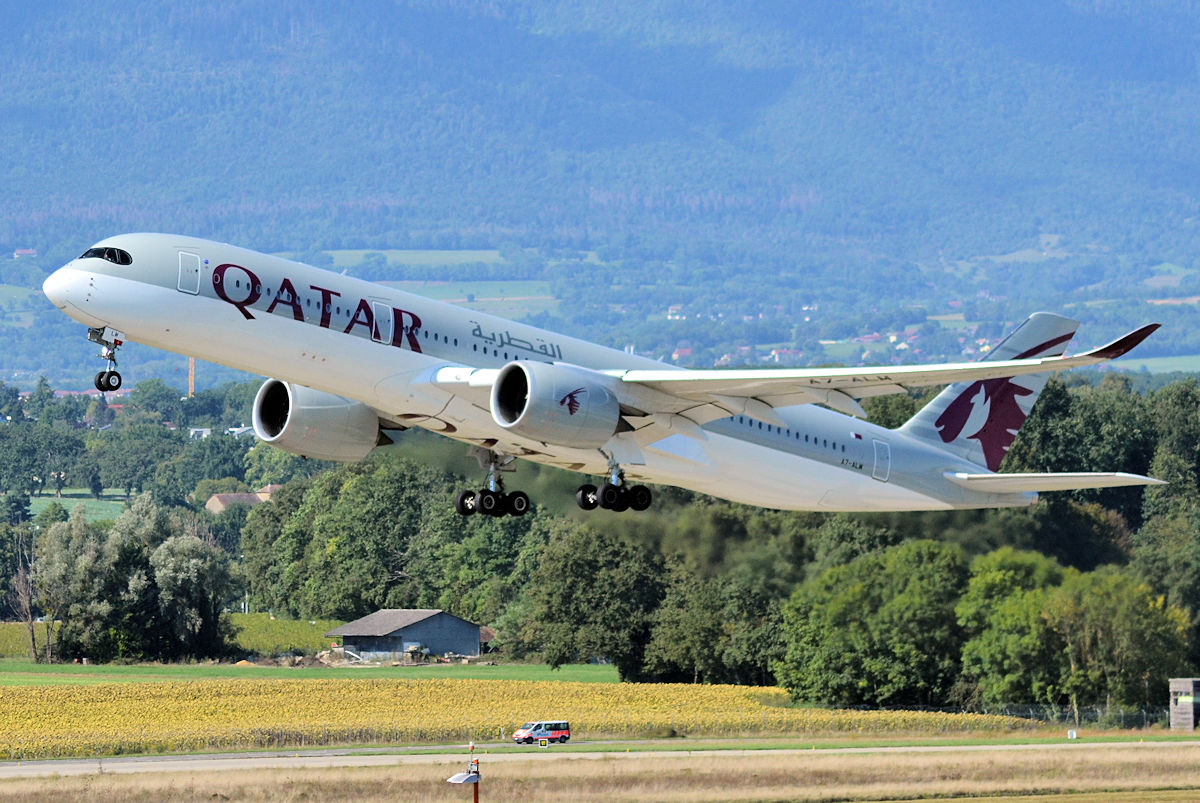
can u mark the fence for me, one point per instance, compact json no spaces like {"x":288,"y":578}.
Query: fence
{"x":1097,"y":716}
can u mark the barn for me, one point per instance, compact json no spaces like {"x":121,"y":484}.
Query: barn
{"x":390,"y":634}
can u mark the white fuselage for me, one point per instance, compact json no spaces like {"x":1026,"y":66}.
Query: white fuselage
{"x":381,"y":346}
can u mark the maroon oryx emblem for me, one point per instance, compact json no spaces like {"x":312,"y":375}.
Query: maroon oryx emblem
{"x":571,"y":400}
{"x":1004,"y":413}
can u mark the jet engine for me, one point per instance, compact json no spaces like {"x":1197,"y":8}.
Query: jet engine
{"x":312,"y":423}
{"x":557,"y":404}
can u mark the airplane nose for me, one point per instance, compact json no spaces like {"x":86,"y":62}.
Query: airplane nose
{"x":57,"y":287}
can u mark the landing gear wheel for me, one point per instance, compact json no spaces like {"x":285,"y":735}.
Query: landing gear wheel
{"x":518,"y":503}
{"x":640,"y":498}
{"x":610,"y":496}
{"x":108,"y":380}
{"x":489,"y":503}
{"x":622,"y":500}
{"x":586,"y":497}
{"x":465,"y":503}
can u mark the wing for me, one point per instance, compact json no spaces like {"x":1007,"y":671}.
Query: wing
{"x":756,"y":392}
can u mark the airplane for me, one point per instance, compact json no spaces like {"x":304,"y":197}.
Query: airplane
{"x":353,"y":363}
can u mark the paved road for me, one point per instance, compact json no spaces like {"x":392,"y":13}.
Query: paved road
{"x":382,"y":757}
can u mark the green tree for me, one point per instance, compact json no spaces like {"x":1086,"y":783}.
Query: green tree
{"x":41,"y":398}
{"x":18,"y":457}
{"x":128,"y":457}
{"x":879,"y":630}
{"x":843,"y":538}
{"x":997,"y":575}
{"x":271,"y":556}
{"x":1121,"y":642}
{"x":58,"y":451}
{"x":194,"y":585}
{"x":139,"y":590}
{"x":155,"y":396}
{"x":594,"y":596}
{"x":689,"y":632}
{"x":1016,"y":656}
{"x":266,"y":465}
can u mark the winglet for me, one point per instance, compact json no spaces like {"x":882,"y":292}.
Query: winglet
{"x":1123,"y":344}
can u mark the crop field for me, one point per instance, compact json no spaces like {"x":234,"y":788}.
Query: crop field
{"x":171,"y":716}
{"x":261,"y":634}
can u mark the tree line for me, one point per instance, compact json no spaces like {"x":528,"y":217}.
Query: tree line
{"x":1087,"y":598}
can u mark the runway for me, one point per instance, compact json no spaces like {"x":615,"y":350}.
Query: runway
{"x":453,"y":756}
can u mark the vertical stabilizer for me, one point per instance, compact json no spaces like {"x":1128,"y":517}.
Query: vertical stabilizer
{"x":979,"y":420}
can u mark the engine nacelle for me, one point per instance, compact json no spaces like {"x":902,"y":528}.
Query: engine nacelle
{"x":557,"y":404}
{"x":312,"y":423}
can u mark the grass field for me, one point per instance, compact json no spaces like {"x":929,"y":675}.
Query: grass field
{"x":9,"y":292}
{"x":110,"y":505}
{"x":1162,"y":365}
{"x":508,"y":299}
{"x":396,"y":256}
{"x":1100,"y":775}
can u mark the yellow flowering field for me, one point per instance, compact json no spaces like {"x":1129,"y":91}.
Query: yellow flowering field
{"x":110,"y":719}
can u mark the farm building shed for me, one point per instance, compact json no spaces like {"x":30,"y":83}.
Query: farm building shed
{"x":391,"y":633}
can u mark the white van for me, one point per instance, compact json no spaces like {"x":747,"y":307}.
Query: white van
{"x":555,"y":730}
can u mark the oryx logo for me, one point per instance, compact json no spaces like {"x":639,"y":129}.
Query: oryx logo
{"x":1004,"y":413}
{"x":571,"y":400}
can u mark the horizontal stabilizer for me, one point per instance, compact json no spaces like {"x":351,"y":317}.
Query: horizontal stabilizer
{"x":1020,"y":483}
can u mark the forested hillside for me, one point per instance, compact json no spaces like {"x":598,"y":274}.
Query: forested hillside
{"x":783,"y":173}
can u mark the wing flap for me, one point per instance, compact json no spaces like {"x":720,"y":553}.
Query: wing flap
{"x":1070,"y":481}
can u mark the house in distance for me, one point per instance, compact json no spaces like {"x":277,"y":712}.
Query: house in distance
{"x":392,"y":634}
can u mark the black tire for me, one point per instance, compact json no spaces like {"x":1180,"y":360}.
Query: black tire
{"x":99,"y":383}
{"x":622,"y":500}
{"x":563,"y":740}
{"x":112,"y":380}
{"x":486,"y":502}
{"x":491,"y":503}
{"x":586,"y":497}
{"x":465,"y":503}
{"x":610,"y":496}
{"x":518,"y":503}
{"x":640,"y":498}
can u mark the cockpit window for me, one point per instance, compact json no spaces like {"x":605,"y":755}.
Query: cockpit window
{"x":113,"y":255}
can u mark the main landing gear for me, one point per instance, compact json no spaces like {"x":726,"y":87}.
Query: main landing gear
{"x":492,"y":500}
{"x":614,"y":495}
{"x":110,"y":340}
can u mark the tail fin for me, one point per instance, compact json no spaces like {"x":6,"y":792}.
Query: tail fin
{"x":979,"y":420}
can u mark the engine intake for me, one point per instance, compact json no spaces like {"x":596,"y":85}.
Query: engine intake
{"x":312,"y":423}
{"x":557,"y":404}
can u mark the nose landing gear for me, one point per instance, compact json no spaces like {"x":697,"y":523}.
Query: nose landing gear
{"x":110,"y":340}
